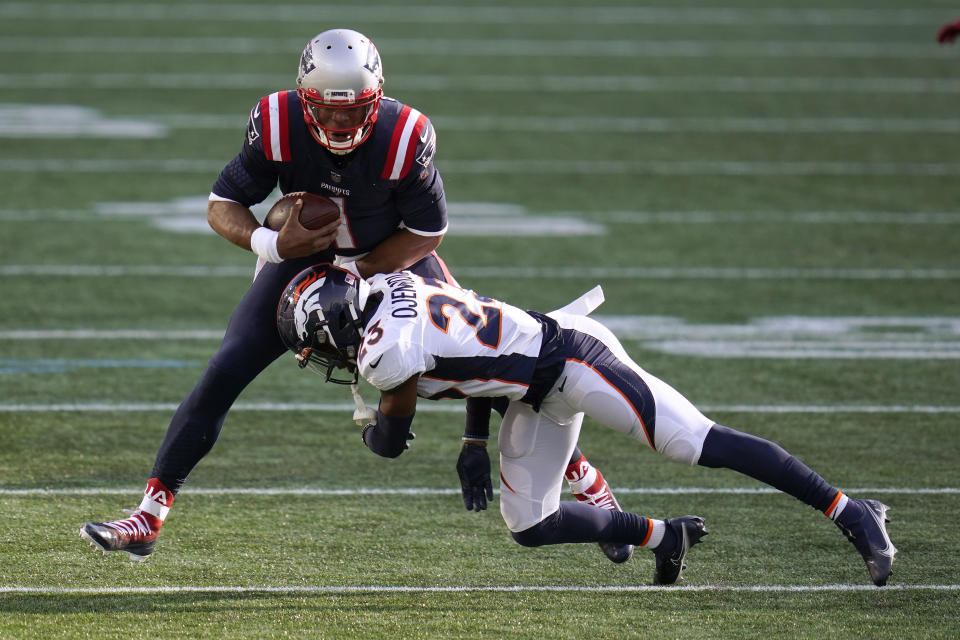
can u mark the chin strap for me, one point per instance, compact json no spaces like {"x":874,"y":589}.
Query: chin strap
{"x":363,"y":414}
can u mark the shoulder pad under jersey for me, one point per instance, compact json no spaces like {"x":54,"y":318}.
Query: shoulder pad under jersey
{"x":268,"y":129}
{"x":412,"y":140}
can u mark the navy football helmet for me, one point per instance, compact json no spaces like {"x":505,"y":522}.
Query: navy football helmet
{"x":319,"y":319}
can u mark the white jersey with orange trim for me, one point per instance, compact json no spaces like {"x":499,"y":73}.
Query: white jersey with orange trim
{"x":460,"y":344}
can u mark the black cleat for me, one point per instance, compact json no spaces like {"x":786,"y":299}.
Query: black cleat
{"x":869,"y":535}
{"x":136,"y":535}
{"x":688,"y":531}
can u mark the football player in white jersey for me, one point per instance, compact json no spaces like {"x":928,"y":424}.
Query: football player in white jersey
{"x":412,"y":336}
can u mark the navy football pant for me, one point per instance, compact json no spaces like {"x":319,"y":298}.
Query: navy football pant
{"x":250,"y":344}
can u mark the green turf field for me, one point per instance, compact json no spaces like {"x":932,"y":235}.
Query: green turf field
{"x":767,"y":192}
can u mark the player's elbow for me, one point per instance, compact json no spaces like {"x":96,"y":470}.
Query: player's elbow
{"x":388,"y":437}
{"x":382,"y":443}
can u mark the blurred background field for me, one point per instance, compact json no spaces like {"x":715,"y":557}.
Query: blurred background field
{"x":767,"y":192}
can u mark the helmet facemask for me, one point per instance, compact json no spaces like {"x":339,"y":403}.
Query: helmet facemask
{"x":339,"y":124}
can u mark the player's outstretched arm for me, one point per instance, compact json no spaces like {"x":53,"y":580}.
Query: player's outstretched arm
{"x":389,"y":436}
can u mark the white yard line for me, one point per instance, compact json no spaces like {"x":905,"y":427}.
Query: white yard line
{"x":338,"y":589}
{"x":501,"y":83}
{"x":551,"y":272}
{"x":456,"y":408}
{"x":454,"y":13}
{"x":140,"y":211}
{"x":608,"y":124}
{"x":421,"y":491}
{"x":479,"y":47}
{"x":532,"y":166}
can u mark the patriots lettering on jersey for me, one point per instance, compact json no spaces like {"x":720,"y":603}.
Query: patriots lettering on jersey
{"x":340,"y":191}
{"x":407,"y":134}
{"x":275,"y":126}
{"x":403,"y":296}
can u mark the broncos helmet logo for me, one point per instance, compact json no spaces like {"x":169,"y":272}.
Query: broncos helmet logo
{"x":306,"y":304}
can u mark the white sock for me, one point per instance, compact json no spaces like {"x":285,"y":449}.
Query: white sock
{"x":654,"y":533}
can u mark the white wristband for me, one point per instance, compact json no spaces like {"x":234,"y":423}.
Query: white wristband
{"x":263,"y":242}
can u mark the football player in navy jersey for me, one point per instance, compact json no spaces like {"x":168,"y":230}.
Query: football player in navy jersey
{"x":336,"y":135}
{"x":415,"y":336}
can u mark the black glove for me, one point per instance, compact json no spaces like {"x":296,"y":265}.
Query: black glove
{"x":473,"y":467}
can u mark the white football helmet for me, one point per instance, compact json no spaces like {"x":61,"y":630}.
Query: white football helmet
{"x":340,"y":85}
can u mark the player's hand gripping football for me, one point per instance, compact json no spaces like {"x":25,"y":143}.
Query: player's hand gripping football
{"x":296,"y":241}
{"x":473,"y":467}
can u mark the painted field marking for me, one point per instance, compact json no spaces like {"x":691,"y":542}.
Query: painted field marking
{"x":454,"y":408}
{"x":471,"y":14}
{"x":194,"y":207}
{"x":483,"y":47}
{"x":559,"y":272}
{"x":424,"y":491}
{"x":65,"y":121}
{"x":820,"y":337}
{"x":500,"y":83}
{"x":18,"y":366}
{"x":537,"y":124}
{"x":532,"y":166}
{"x":338,"y":589}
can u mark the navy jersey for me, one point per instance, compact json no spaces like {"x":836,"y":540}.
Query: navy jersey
{"x":387,"y":183}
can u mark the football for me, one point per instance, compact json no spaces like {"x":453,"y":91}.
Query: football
{"x":318,"y":211}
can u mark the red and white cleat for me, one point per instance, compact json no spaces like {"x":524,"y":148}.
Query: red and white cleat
{"x":137,"y":534}
{"x":588,"y":485}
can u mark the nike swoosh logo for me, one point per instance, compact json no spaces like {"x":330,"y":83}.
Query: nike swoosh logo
{"x":373,"y":365}
{"x":890,"y":549}
{"x":562,"y":385}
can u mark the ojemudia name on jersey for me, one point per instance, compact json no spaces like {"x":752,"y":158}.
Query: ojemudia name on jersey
{"x":403,"y":296}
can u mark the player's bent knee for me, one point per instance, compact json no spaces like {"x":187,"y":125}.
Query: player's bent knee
{"x":539,"y":534}
{"x":684,"y":445}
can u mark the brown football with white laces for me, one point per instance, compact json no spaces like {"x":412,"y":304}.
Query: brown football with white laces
{"x":317,"y":212}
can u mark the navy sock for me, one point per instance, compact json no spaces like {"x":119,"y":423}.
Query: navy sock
{"x":767,"y":462}
{"x":580,"y":522}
